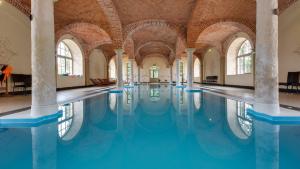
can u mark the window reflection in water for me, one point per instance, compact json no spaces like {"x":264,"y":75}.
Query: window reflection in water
{"x":197,"y":100}
{"x":181,"y":99}
{"x":244,"y":119}
{"x":128,"y":97}
{"x":154,"y":94}
{"x":112,"y":101}
{"x":65,"y":122}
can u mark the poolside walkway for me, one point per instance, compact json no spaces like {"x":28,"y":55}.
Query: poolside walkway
{"x":13,"y":104}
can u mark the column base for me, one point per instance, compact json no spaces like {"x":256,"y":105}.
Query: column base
{"x":39,"y":111}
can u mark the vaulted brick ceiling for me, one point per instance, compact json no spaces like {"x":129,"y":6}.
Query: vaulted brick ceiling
{"x":165,"y":27}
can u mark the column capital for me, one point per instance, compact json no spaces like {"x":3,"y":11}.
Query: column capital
{"x":119,"y":51}
{"x":190,"y":50}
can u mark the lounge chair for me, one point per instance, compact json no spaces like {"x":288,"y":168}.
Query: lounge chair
{"x":211,"y":80}
{"x":101,"y":82}
{"x":292,"y":81}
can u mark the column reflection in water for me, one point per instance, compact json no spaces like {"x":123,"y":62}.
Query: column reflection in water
{"x":119,"y":109}
{"x":190,"y":109}
{"x":267,"y":145}
{"x":171,"y":95}
{"x":44,"y":142}
{"x":128,"y":113}
{"x":182,"y":116}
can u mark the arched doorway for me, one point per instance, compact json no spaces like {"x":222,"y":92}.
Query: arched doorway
{"x":197,"y":70}
{"x":112,"y":70}
{"x":154,"y":74}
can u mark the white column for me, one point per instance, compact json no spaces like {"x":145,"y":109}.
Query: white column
{"x":139,"y":74}
{"x":178,"y":72}
{"x":131,"y":73}
{"x":190,"y":66}
{"x":119,"y":63}
{"x":266,"y":64}
{"x":171,"y":74}
{"x":43,"y":58}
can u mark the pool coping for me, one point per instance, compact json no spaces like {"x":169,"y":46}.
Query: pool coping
{"x":30,"y":122}
{"x":274,"y":119}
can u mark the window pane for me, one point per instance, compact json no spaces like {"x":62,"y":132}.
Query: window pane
{"x":248,"y":64}
{"x":64,"y":59}
{"x":245,"y":48}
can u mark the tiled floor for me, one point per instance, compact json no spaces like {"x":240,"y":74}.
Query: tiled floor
{"x":248,"y":94}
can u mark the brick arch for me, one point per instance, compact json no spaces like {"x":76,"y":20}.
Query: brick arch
{"x":83,"y":46}
{"x":172,"y":54}
{"x":130,"y":29}
{"x":20,"y":6}
{"x":114,"y":21}
{"x":224,"y":30}
{"x":92,"y":36}
{"x":166,"y":61}
{"x":195,"y":31}
{"x":129,"y":48}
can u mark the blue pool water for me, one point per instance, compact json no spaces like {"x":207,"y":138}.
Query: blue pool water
{"x":152,"y":127}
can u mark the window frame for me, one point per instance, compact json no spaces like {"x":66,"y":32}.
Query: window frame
{"x":154,"y":71}
{"x":181,"y":71}
{"x":65,"y":59}
{"x":128,"y":71}
{"x":243,"y":57}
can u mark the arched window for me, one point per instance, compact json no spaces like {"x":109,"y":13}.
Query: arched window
{"x":239,"y":57}
{"x":154,"y":72}
{"x":244,"y":58}
{"x":64,"y":60}
{"x":197,"y":68}
{"x":112,"y":69}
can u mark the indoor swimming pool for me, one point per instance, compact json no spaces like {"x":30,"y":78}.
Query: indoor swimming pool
{"x":152,"y":127}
